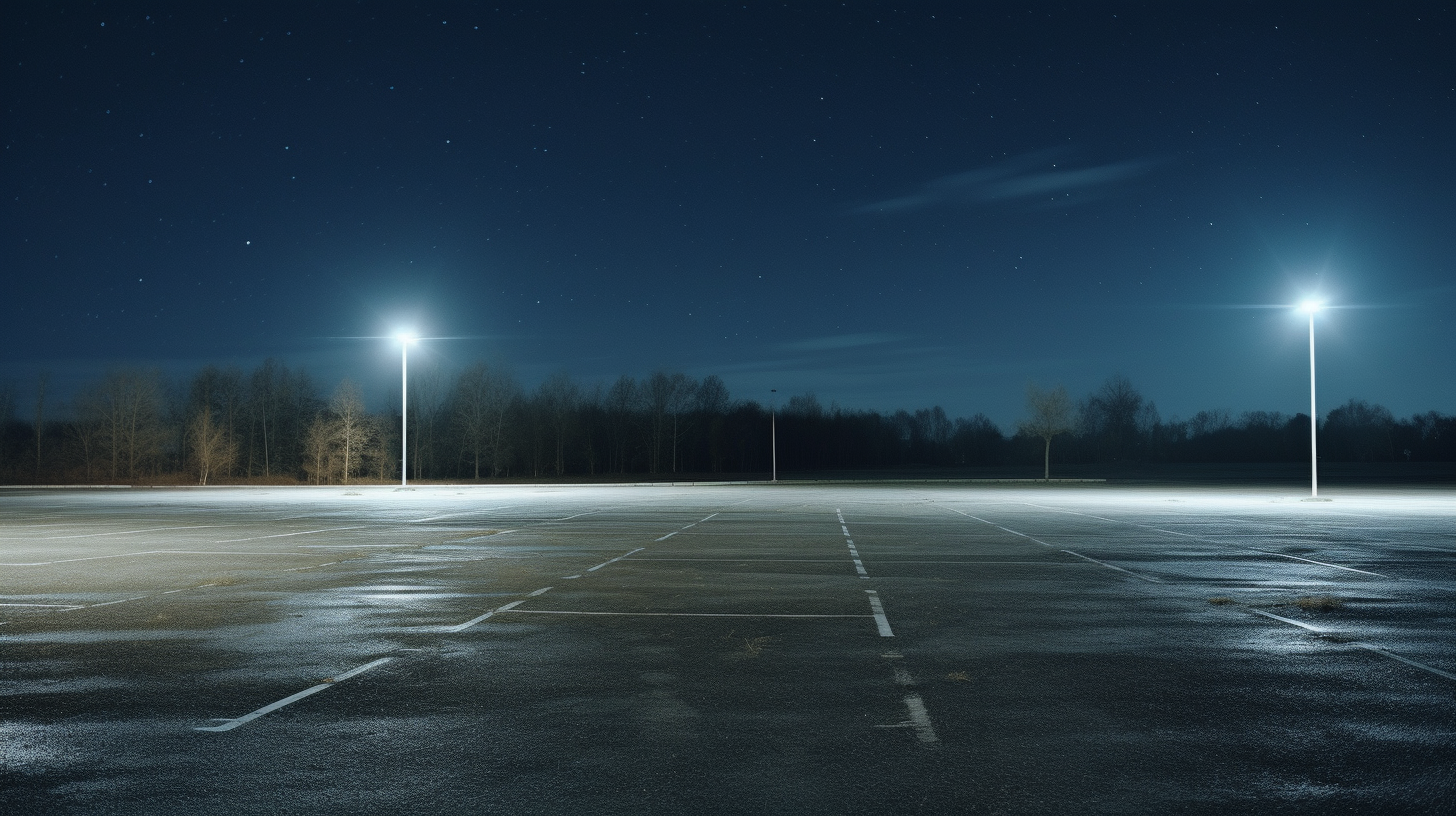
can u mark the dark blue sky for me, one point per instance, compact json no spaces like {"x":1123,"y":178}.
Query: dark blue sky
{"x":889,"y":206}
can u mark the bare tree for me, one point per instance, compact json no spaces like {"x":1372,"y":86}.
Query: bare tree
{"x":211,"y":449}
{"x":318,"y":449}
{"x":125,"y":411}
{"x":1051,"y":414}
{"x":426,"y":394}
{"x":352,"y":430}
{"x":40,"y":395}
{"x":558,"y":397}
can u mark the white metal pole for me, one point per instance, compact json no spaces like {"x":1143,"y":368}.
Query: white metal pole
{"x":1313,"y":418}
{"x":403,"y":413}
{"x":773,"y":426}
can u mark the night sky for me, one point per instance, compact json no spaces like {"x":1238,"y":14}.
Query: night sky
{"x":887,"y":205}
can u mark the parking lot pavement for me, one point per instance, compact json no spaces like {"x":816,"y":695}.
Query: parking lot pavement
{"x":729,"y":649}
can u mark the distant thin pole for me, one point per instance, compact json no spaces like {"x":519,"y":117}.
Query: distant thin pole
{"x":1313,"y":421}
{"x":404,"y":413}
{"x":773,"y":428}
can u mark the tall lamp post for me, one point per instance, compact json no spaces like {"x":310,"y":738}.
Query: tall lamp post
{"x":773,"y":431}
{"x":404,"y":338}
{"x":1309,"y":307}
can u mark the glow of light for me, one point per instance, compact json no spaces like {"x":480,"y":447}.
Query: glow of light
{"x":1311,"y":306}
{"x":405,"y":337}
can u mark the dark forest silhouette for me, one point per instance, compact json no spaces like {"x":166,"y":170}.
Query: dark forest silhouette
{"x":273,"y":424}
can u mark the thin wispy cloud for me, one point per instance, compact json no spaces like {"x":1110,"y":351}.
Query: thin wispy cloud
{"x":1032,"y":176}
{"x":840,"y":341}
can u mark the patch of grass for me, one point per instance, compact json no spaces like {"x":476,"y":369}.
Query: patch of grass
{"x":1222,"y":600}
{"x":1319,"y":603}
{"x":959,"y":677}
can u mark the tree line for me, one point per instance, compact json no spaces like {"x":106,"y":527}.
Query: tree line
{"x":274,"y":424}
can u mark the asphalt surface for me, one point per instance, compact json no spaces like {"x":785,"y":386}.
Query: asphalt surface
{"x":732,"y":649}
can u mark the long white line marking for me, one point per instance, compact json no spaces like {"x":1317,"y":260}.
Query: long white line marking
{"x":53,"y":606}
{"x":1405,"y":660}
{"x":1321,"y":563}
{"x":671,"y":614}
{"x":881,"y":622}
{"x":669,"y":535}
{"x":920,"y":718}
{"x":1136,"y":575}
{"x":121,"y":532}
{"x":614,"y":560}
{"x":463,"y":513}
{"x":143,"y":552}
{"x":461,"y":627}
{"x":228,"y":725}
{"x":541,"y":591}
{"x":997,"y":526}
{"x":289,"y":535}
{"x":1204,"y":539}
{"x":1370,"y":647}
{"x":1289,"y":621}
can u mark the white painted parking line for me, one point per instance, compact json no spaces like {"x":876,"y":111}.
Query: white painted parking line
{"x":1405,"y":660}
{"x":230,"y":724}
{"x":1136,"y":575}
{"x":920,"y":718}
{"x":881,"y":622}
{"x":144,"y":552}
{"x":464,"y":513}
{"x":461,"y":627}
{"x":1289,"y":621}
{"x":859,"y":566}
{"x":1321,"y":563}
{"x":669,"y":535}
{"x":290,"y":535}
{"x":614,"y":560}
{"x":541,"y":591}
{"x":120,"y":532}
{"x":48,"y":606}
{"x":1370,"y":647}
{"x":1211,"y":540}
{"x":670,"y":614}
{"x":997,"y":526}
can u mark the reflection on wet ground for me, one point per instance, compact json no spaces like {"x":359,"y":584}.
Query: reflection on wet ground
{"x":727,"y":649}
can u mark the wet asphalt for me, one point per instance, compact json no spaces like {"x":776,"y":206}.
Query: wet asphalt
{"x":727,"y":649}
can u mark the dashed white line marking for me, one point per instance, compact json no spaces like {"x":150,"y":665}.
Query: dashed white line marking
{"x":920,"y":718}
{"x":541,"y":591}
{"x":881,"y":622}
{"x":669,"y":535}
{"x":1393,"y":656}
{"x":569,"y":577}
{"x":614,"y":560}
{"x":1369,"y":647}
{"x":230,"y":724}
{"x":1321,"y":563}
{"x":288,"y":535}
{"x":1289,"y":621}
{"x":1136,"y":575}
{"x":671,"y":614}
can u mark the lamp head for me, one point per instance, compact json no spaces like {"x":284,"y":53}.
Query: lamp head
{"x":405,"y":337}
{"x":1311,"y":306}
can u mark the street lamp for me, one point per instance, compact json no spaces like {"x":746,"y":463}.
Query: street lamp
{"x":773,"y":428}
{"x":404,"y":338}
{"x":1309,"y":307}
